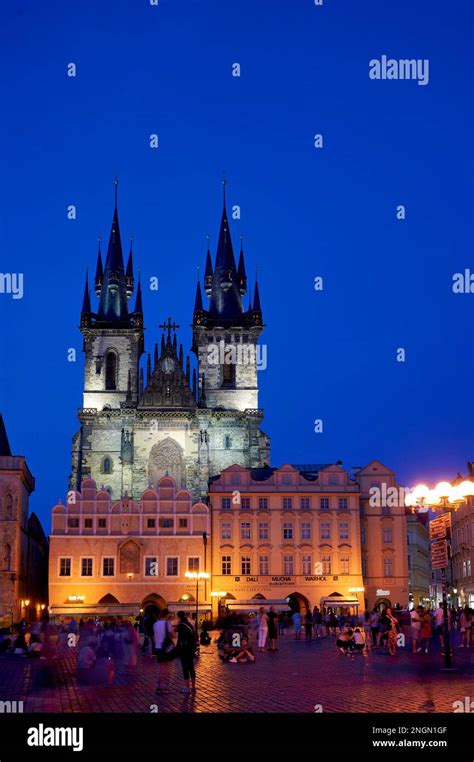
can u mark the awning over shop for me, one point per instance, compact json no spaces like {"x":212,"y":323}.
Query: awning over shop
{"x":203,"y":608}
{"x":124,"y":609}
{"x":339,"y":601}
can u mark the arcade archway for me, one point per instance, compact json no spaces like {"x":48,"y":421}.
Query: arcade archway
{"x":153,"y":604}
{"x":298,"y":602}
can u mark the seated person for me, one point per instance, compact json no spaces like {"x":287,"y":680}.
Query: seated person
{"x":244,"y":653}
{"x":35,"y":647}
{"x":204,"y":638}
{"x":345,"y":641}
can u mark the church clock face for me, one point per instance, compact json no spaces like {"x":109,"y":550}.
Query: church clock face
{"x":168,"y":365}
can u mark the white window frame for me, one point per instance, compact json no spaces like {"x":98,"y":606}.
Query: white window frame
{"x":172,"y":576}
{"x":64,"y":576}
{"x":86,"y":576}
{"x":155,"y":558}
{"x":108,"y":576}
{"x":194,"y":555}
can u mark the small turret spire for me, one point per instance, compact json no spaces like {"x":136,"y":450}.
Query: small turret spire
{"x":198,"y":306}
{"x":257,"y":308}
{"x":138,"y":300}
{"x":208,"y":273}
{"x":86,"y":302}
{"x":99,"y":272}
{"x":129,"y":272}
{"x":241,"y":274}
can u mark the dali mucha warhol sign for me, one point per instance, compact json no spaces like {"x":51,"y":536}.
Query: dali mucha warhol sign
{"x":286,"y":580}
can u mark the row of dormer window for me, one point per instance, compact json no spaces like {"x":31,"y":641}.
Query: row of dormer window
{"x":287,"y":503}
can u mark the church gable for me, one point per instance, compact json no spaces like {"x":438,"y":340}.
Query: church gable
{"x":168,"y":385}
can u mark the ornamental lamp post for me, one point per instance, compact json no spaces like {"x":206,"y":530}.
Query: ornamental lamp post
{"x":444,"y":498}
{"x":197,"y":576}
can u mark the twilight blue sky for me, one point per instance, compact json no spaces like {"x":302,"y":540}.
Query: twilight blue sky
{"x":305,"y":212}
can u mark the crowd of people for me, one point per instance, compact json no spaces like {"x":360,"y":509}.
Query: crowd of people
{"x":110,"y":647}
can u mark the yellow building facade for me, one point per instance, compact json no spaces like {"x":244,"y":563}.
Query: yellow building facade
{"x":286,"y":537}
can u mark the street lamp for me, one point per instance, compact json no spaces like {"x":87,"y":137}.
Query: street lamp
{"x":197,"y":576}
{"x":444,"y":498}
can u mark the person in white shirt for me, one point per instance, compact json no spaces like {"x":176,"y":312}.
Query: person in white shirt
{"x":162,"y":630}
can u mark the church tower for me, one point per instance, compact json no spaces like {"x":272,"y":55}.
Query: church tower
{"x":225,"y":336}
{"x":113,"y":336}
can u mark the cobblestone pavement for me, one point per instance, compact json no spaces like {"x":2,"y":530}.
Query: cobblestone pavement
{"x":294,"y":679}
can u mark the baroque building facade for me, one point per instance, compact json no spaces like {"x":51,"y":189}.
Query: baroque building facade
{"x":111,"y":558}
{"x":139,"y":422}
{"x":23,"y":544}
{"x":305,"y":535}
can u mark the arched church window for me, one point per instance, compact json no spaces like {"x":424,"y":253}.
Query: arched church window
{"x":228,"y":374}
{"x":8,"y":507}
{"x":107,"y":465}
{"x":7,"y":556}
{"x":227,"y":442}
{"x":111,"y":371}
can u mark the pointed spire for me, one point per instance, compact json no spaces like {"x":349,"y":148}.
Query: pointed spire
{"x":163,"y":345}
{"x":188,"y":371}
{"x":198,"y":306}
{"x":155,"y":359}
{"x":113,"y":294}
{"x":4,"y":443}
{"x":256,"y":299}
{"x":86,"y":301}
{"x":99,"y":272}
{"x":129,"y":273}
{"x":148,"y":368}
{"x":175,"y":343}
{"x":226,"y":302}
{"x":138,"y":300}
{"x":194,"y":383}
{"x":241,"y":274}
{"x":181,"y":355}
{"x":208,"y":273}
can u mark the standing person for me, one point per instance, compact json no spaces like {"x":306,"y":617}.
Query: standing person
{"x":367,"y":630}
{"x":262,"y":629}
{"x":425,"y":632}
{"x":327,"y":623}
{"x":308,"y":625}
{"x":162,"y":636}
{"x":272,"y":629}
{"x":297,"y":624}
{"x":281,"y":623}
{"x":384,"y":624}
{"x":374,"y":626}
{"x":415,"y":622}
{"x":317,"y":623}
{"x":392,"y":632}
{"x":186,"y":648}
{"x":439,"y":624}
{"x":465,"y":624}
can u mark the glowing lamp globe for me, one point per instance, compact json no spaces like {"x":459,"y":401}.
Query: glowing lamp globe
{"x":443,"y":489}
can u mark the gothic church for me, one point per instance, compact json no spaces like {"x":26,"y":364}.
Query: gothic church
{"x":146,"y":414}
